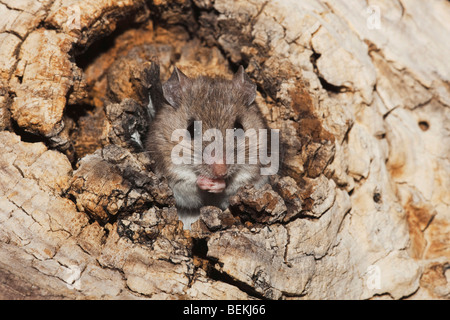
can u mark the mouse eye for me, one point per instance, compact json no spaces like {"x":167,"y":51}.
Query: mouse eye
{"x":238,"y":125}
{"x":191,"y":128}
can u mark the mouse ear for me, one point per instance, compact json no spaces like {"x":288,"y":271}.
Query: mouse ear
{"x":245,"y":85}
{"x":174,"y":87}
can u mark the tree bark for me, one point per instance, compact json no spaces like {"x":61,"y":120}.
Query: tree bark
{"x":361,"y":95}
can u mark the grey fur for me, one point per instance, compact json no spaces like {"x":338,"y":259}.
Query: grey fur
{"x":218,"y":103}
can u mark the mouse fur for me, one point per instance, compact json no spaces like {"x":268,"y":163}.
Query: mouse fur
{"x":218,"y":103}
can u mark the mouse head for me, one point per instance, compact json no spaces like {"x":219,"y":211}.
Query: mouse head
{"x":205,"y":113}
{"x":179,"y":86}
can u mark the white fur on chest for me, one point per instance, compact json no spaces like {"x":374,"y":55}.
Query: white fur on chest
{"x":189,"y":198}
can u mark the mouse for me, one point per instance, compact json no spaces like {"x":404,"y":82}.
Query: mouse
{"x":194,"y":106}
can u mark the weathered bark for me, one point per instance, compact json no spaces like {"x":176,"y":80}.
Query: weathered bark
{"x":360,"y":209}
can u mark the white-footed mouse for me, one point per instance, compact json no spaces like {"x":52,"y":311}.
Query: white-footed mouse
{"x":215,"y":103}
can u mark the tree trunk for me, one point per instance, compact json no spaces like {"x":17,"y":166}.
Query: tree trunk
{"x":360,"y":94}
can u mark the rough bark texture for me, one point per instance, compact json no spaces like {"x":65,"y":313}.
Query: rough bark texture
{"x":361,"y":209}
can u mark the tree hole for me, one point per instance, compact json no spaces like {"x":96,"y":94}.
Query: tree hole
{"x":424,"y":125}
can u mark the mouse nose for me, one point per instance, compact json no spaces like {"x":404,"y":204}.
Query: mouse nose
{"x":219,"y":169}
